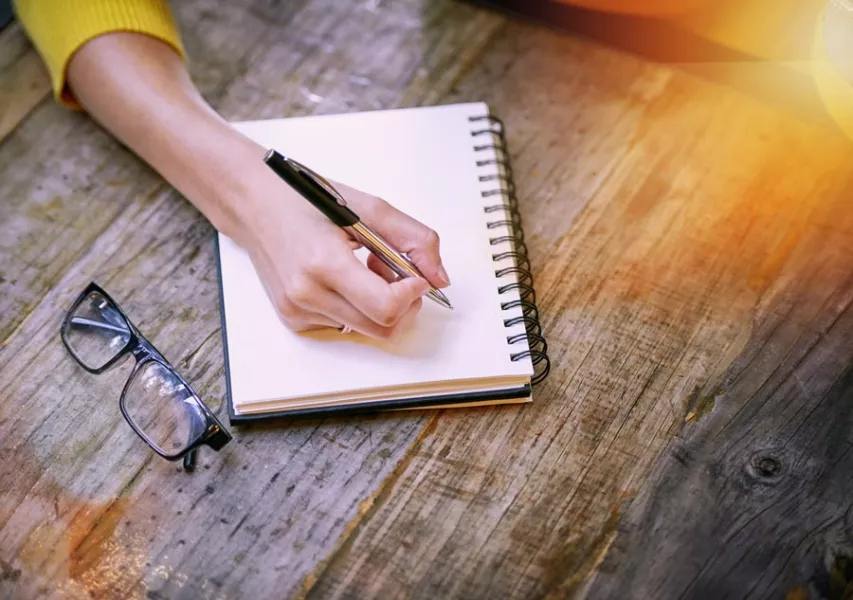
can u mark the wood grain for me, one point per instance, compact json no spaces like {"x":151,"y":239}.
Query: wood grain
{"x":764,"y":480}
{"x":692,"y":249}
{"x":23,"y":79}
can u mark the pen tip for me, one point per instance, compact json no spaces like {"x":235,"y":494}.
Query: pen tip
{"x":440,"y":298}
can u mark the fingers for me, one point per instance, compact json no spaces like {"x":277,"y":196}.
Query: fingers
{"x":424,"y":251}
{"x":337,"y":308}
{"x":381,"y":269}
{"x":339,"y":313}
{"x":336,"y":289}
{"x":408,"y":235}
{"x":344,"y":292}
{"x":381,"y":302}
{"x":296,"y":318}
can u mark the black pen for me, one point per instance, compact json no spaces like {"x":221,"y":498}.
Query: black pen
{"x":329,"y":201}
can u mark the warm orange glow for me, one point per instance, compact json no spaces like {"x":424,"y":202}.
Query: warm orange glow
{"x":811,"y":37}
{"x":641,"y":7}
{"x":832,"y":63}
{"x":838,"y":36}
{"x":781,"y":30}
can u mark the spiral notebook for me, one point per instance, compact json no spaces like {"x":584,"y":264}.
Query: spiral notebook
{"x":446,"y":166}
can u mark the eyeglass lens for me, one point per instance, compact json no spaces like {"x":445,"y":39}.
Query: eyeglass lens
{"x":162,"y":407}
{"x":96,"y":331}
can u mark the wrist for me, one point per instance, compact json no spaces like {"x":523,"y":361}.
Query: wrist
{"x":211,"y":165}
{"x":138,"y":88}
{"x":233,"y":175}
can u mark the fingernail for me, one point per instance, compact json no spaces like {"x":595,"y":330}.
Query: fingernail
{"x":442,"y":275}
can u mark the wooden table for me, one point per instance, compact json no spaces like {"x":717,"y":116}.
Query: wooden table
{"x":693,"y":252}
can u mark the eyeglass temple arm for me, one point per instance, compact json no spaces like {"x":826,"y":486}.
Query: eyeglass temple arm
{"x":189,"y":460}
{"x":98,"y":324}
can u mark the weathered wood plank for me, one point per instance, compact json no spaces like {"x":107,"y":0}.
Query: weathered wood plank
{"x":647,"y":299}
{"x":756,"y":499}
{"x":23,"y":79}
{"x":322,"y":66}
{"x":58,"y":195}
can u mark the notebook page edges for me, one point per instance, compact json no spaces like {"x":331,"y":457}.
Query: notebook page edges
{"x":436,"y":390}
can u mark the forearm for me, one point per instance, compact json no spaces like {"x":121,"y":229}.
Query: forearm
{"x":138,"y":89}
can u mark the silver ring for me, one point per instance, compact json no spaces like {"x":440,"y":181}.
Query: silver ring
{"x":345,"y":329}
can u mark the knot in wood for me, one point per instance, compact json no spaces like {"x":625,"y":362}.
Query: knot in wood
{"x":764,"y":466}
{"x":767,"y":466}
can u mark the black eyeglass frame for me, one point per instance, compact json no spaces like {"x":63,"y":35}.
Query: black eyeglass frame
{"x":213,"y":435}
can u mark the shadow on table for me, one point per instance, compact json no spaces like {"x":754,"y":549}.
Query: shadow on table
{"x":667,"y":42}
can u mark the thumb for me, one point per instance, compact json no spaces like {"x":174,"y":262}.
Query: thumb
{"x":410,"y":290}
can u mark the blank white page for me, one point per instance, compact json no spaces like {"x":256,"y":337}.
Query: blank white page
{"x":422,"y":161}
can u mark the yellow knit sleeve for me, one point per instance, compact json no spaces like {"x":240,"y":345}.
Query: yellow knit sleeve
{"x":58,"y":28}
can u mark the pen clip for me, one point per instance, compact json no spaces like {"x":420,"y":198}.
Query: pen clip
{"x":318,"y":179}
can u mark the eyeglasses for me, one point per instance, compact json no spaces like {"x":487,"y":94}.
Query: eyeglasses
{"x":158,"y":404}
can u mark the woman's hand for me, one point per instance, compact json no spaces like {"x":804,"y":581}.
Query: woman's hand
{"x":139,"y":89}
{"x":308,"y":266}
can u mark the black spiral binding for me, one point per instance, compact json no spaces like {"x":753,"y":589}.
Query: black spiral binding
{"x":537,"y":346}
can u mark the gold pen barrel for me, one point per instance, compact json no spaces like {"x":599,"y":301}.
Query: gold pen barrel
{"x":396,"y":261}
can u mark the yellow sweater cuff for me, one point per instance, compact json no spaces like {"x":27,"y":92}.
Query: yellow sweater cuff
{"x":58,"y":28}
